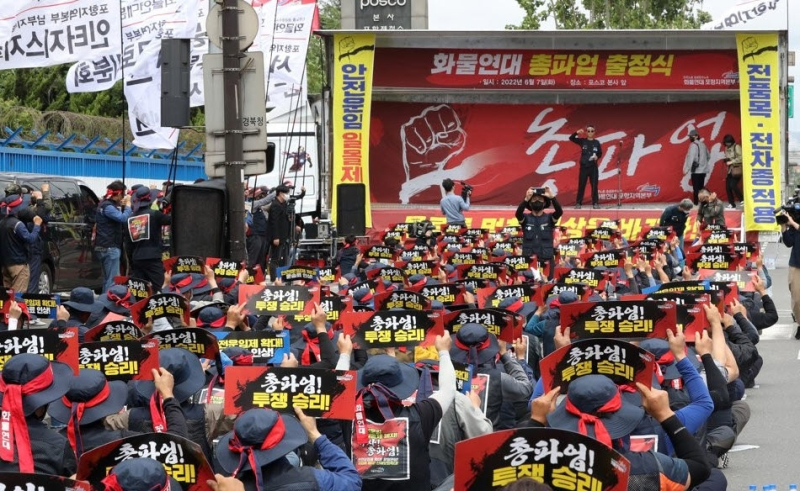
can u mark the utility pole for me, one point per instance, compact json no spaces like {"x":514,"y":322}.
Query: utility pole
{"x":234,"y":151}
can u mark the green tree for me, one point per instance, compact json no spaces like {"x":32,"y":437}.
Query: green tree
{"x":330,"y":17}
{"x":614,"y":14}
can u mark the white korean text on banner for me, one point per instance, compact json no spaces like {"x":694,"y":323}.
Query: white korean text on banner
{"x":38,"y":33}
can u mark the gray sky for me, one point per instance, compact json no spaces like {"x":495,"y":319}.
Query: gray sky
{"x":468,"y":15}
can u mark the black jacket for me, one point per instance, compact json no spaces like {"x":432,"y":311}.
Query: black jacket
{"x":51,"y":451}
{"x":278,"y":224}
{"x":675,"y":217}
{"x":153,"y":247}
{"x":588,"y":148}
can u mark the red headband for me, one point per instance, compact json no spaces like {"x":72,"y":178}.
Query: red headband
{"x":13,"y":418}
{"x":600,"y":431}
{"x":14,"y":203}
{"x":157,"y":413}
{"x":123,"y":302}
{"x":217,"y":323}
{"x":76,"y":414}
{"x":274,"y":437}
{"x":184,"y":282}
{"x":516,"y":306}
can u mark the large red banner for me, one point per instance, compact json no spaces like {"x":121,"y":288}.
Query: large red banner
{"x":502,"y":150}
{"x":496,"y":69}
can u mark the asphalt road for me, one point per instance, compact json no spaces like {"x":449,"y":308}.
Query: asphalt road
{"x":773,"y":428}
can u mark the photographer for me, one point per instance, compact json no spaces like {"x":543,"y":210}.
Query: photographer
{"x":538,"y":227}
{"x":452,"y":205}
{"x":791,"y":238}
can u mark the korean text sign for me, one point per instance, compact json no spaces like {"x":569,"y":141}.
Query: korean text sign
{"x":759,"y":70}
{"x":353,"y":56}
{"x":619,"y":319}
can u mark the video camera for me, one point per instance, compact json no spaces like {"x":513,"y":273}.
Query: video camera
{"x":791,"y":208}
{"x":421,"y":228}
{"x":466,"y":190}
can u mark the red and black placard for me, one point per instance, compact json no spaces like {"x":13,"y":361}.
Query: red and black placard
{"x":603,"y":233}
{"x":483,"y":272}
{"x":401,"y":299}
{"x":224,"y":267}
{"x":723,"y":261}
{"x":723,"y":236}
{"x":411,"y":268}
{"x":255,"y":275}
{"x":333,"y":305}
{"x":563,"y":459}
{"x":506,"y":246}
{"x":328,"y":275}
{"x":138,"y":288}
{"x":185,"y":264}
{"x":113,"y":331}
{"x":613,"y":258}
{"x":42,"y":305}
{"x":498,"y":322}
{"x":658,"y":233}
{"x":520,"y":263}
{"x":743,"y":279}
{"x":387,"y":454}
{"x":319,"y":393}
{"x":459,"y":258}
{"x":402,"y":227}
{"x":159,"y":306}
{"x":524,"y":291}
{"x":278,"y":300}
{"x":54,"y":344}
{"x":396,"y":328}
{"x":18,"y":481}
{"x":748,"y":250}
{"x":589,"y":277}
{"x":198,"y":341}
{"x":447,"y":293}
{"x":690,"y":314}
{"x":547,"y":290}
{"x":710,"y":249}
{"x":266,"y":346}
{"x":298,"y":273}
{"x":622,"y":362}
{"x":451,"y":229}
{"x":723,"y":293}
{"x":395,"y":275}
{"x":567,"y":250}
{"x":380,"y":252}
{"x":120,"y":360}
{"x":183,"y":459}
{"x":619,"y":319}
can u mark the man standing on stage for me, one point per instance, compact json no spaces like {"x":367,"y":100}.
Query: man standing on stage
{"x":452,"y":205}
{"x":697,"y":163}
{"x":591,"y":151}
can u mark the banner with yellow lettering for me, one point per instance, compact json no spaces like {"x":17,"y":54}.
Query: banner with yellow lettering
{"x":353,"y":56}
{"x":761,"y":136}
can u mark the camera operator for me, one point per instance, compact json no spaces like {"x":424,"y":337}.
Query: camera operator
{"x":538,"y":227}
{"x":453,"y":205}
{"x":791,"y":238}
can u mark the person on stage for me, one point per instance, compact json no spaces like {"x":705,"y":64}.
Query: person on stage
{"x":591,"y":151}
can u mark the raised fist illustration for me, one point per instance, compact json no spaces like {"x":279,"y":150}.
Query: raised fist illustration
{"x":430,"y":140}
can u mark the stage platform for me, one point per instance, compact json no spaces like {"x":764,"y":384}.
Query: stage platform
{"x":632,"y":218}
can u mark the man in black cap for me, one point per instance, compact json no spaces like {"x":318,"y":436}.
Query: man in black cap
{"x":279,"y":228}
{"x":111,"y":218}
{"x":145,"y":232}
{"x":28,"y":383}
{"x":91,"y":398}
{"x":538,"y":227}
{"x":14,"y":242}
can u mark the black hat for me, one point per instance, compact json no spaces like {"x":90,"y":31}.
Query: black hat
{"x":143,"y":195}
{"x":401,"y":379}
{"x":474,"y":340}
{"x":664,"y":358}
{"x":184,"y":282}
{"x":139,"y":474}
{"x":282,"y":188}
{"x":259,"y":437}
{"x":21,"y":369}
{"x":185,"y":368}
{"x":516,"y":305}
{"x":117,"y":299}
{"x":85,"y":388}
{"x":211,"y":317}
{"x":82,"y":300}
{"x":589,"y":395}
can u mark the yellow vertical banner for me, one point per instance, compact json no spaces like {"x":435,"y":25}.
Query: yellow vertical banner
{"x":761,"y":123}
{"x":353,"y":56}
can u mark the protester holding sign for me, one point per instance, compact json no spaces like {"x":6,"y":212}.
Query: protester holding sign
{"x":144,"y":230}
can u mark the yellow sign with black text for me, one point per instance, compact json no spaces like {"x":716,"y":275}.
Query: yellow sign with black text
{"x":759,"y":84}
{"x":353,"y":57}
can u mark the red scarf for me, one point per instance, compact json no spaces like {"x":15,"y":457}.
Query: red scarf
{"x":157,"y":413}
{"x":111,"y":484}
{"x":13,"y":418}
{"x":516,"y":306}
{"x":76,"y":414}
{"x":472,"y":349}
{"x":600,"y":432}
{"x":123,"y":302}
{"x":312,"y":346}
{"x":246,"y":451}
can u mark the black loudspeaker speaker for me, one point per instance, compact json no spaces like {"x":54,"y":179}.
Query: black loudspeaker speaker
{"x":199,"y":219}
{"x":351,"y":219}
{"x":175,"y":82}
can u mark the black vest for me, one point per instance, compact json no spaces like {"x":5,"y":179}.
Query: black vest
{"x":13,"y":249}
{"x":282,"y":476}
{"x":419,"y":455}
{"x":151,"y":248}
{"x":109,"y":232}
{"x":537,"y":236}
{"x":139,"y":420}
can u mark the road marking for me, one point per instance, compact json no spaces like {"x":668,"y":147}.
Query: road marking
{"x":742,"y":448}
